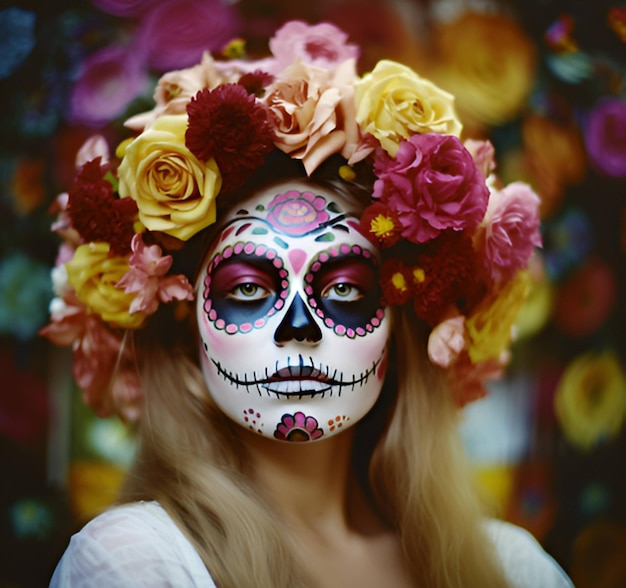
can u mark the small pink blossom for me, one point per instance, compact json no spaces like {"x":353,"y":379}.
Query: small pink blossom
{"x":322,"y":45}
{"x":433,"y":185}
{"x":95,"y":146}
{"x":176,"y":33}
{"x":446,"y":341}
{"x":511,"y":230}
{"x":146,"y":278}
{"x":109,"y":79}
{"x":68,"y":320}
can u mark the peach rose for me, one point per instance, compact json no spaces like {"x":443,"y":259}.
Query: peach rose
{"x":174,"y":191}
{"x":393,"y":103}
{"x":488,"y":62}
{"x":313,"y":112}
{"x":94,"y":276}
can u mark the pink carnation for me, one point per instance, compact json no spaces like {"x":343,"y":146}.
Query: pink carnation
{"x":146,"y":278}
{"x":175,"y":34}
{"x":322,"y":45}
{"x":512,"y":230}
{"x":109,"y":79}
{"x":432,"y":184}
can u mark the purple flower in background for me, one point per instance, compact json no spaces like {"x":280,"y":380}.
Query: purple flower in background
{"x":605,"y":136}
{"x":126,"y":8}
{"x":17,"y":38}
{"x":109,"y":79}
{"x":174,"y":34}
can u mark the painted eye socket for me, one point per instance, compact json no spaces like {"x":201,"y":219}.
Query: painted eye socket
{"x":342,"y":292}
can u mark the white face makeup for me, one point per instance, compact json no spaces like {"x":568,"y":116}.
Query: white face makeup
{"x":293,"y":335}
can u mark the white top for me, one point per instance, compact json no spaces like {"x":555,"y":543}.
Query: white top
{"x":138,"y":545}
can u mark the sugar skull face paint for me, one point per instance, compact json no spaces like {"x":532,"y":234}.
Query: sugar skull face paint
{"x":294,"y":338}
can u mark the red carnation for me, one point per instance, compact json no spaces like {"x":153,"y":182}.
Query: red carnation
{"x":446,"y":274}
{"x":96,"y":213}
{"x":230,"y":126}
{"x":255,"y":82}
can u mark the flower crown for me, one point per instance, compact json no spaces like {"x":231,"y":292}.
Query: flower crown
{"x":455,"y":243}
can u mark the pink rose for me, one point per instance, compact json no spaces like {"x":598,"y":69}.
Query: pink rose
{"x":109,"y":79}
{"x":433,"y":185}
{"x":175,"y":34}
{"x":322,"y":45}
{"x":511,"y":230}
{"x":605,"y":136}
{"x":483,"y":154}
{"x":313,"y":112}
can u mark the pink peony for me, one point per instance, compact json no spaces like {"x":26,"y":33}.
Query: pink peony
{"x":432,"y":184}
{"x":146,"y":278}
{"x":313,"y":113}
{"x":176,"y":33}
{"x":605,"y":137}
{"x":109,"y":79}
{"x":512,"y":230}
{"x":322,"y":45}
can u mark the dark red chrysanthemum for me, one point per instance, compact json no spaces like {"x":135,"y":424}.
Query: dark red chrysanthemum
{"x":395,"y":281}
{"x":255,"y":82}
{"x":96,"y":213}
{"x":230,"y":126}
{"x":380,"y":224}
{"x":446,"y":274}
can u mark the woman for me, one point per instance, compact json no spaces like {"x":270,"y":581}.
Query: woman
{"x":298,"y":428}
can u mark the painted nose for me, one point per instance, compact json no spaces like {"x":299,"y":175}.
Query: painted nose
{"x":298,"y":324}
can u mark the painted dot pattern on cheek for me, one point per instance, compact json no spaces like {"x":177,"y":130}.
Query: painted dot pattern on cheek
{"x":244,"y":250}
{"x":253,"y":420}
{"x":341,"y":324}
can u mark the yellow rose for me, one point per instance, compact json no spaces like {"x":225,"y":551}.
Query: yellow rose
{"x":489,"y":327}
{"x":488,"y":62}
{"x":393,"y":103}
{"x":174,"y":191}
{"x":590,"y":399}
{"x":94,"y":275}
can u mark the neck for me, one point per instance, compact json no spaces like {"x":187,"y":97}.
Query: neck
{"x":310,"y":484}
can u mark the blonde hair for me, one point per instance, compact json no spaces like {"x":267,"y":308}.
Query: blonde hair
{"x":192,"y":461}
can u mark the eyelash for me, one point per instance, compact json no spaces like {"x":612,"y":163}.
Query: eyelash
{"x":237,"y":292}
{"x":332,"y":288}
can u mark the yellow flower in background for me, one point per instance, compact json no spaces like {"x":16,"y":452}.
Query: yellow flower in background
{"x":489,"y":328}
{"x":537,"y":307}
{"x":393,"y":102}
{"x":94,"y":274}
{"x":488,"y":62}
{"x":175,"y":192}
{"x":590,"y":399}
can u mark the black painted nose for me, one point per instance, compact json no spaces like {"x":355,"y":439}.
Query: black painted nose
{"x":298,"y":324}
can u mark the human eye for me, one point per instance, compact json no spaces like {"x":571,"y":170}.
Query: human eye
{"x":342,"y":292}
{"x":248,"y":291}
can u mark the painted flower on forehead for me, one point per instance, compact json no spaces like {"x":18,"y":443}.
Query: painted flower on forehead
{"x":393,"y":103}
{"x":323,"y":45}
{"x":297,"y":213}
{"x":230,"y":126}
{"x":432,"y":185}
{"x":175,"y":192}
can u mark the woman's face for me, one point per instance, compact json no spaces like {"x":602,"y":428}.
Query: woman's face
{"x":293,"y":335}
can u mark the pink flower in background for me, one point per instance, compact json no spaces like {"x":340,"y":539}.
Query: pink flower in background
{"x":175,"y":33}
{"x":109,"y":79}
{"x":483,"y":153}
{"x":94,"y":147}
{"x":512,"y":230}
{"x":126,"y":8}
{"x":446,"y":341}
{"x":322,"y":45}
{"x":146,"y":278}
{"x":605,"y":137}
{"x":432,"y":184}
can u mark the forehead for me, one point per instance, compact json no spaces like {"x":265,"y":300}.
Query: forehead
{"x":293,"y":213}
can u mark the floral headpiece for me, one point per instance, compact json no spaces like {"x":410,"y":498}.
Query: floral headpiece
{"x":455,"y":243}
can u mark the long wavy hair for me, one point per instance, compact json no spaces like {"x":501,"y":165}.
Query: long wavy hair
{"x":192,"y":461}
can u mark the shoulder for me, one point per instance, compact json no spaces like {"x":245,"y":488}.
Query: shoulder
{"x":134,"y":545}
{"x":525,"y":562}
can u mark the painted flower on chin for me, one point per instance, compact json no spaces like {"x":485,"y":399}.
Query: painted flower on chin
{"x":432,"y":185}
{"x":174,"y":191}
{"x":298,"y":427}
{"x":297,"y":213}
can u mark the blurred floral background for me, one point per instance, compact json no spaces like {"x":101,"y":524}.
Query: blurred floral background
{"x":544,"y":80}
